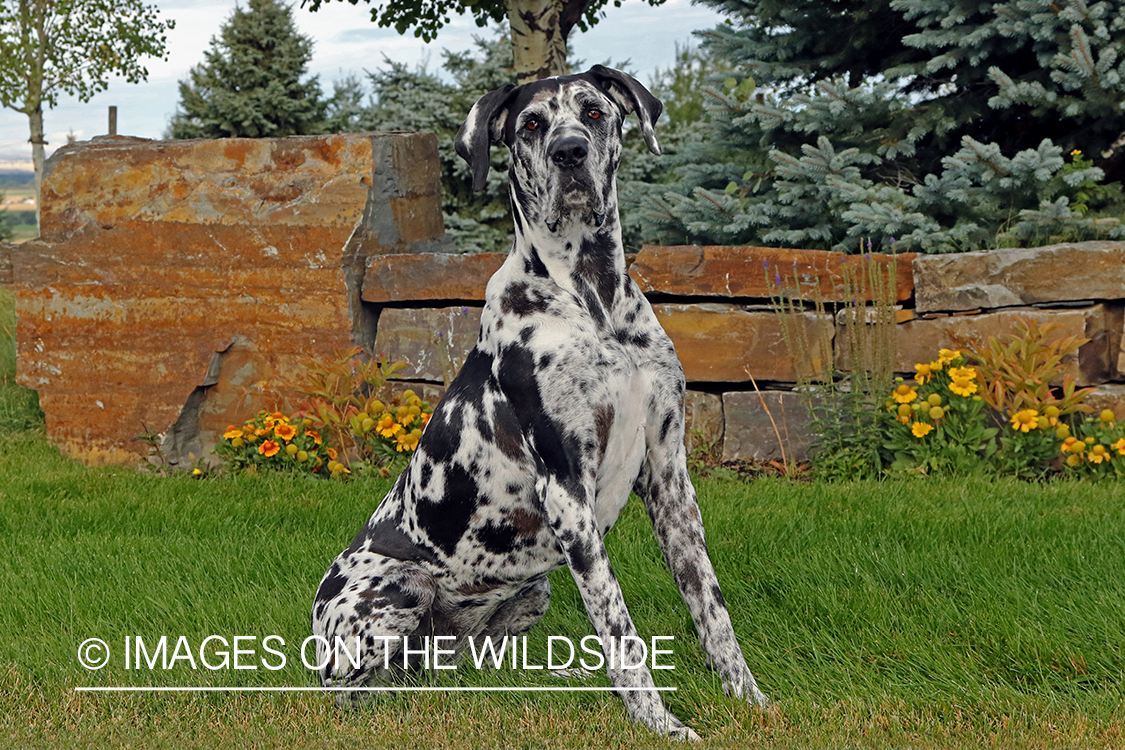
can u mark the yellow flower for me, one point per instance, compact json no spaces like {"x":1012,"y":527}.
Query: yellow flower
{"x":269,"y":448}
{"x":403,"y":415}
{"x":1073,"y":445}
{"x":937,"y":365}
{"x":407,"y":441}
{"x":963,"y":387}
{"x":1076,"y":152}
{"x":904,"y":394}
{"x":388,"y":427}
{"x":933,"y":399}
{"x":1052,"y":414}
{"x":936,"y":413}
{"x":197,"y":472}
{"x":921,"y":429}
{"x":1073,"y":459}
{"x":1107,"y":416}
{"x":1119,"y":446}
{"x":904,"y":420}
{"x":285,"y":431}
{"x":1025,"y":420}
{"x":1098,"y":454}
{"x":924,"y":373}
{"x":948,"y":355}
{"x":1063,"y":431}
{"x":962,"y":373}
{"x":904,"y":410}
{"x":232,"y":433}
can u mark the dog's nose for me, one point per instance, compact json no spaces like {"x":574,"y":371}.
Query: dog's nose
{"x":568,"y":152}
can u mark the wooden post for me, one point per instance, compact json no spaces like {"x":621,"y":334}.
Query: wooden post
{"x":113,"y":120}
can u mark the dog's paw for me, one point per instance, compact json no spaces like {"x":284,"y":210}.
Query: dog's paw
{"x":746,"y":687}
{"x":684,"y":733}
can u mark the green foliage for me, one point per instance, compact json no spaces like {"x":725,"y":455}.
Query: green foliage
{"x":346,"y":397}
{"x":938,"y":128}
{"x":937,"y":425}
{"x":250,"y":83}
{"x":428,"y":17}
{"x":48,"y":47}
{"x":844,"y":403}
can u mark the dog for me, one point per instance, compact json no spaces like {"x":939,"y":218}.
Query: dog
{"x":572,"y":397}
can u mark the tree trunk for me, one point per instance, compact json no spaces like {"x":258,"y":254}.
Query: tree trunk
{"x":38,"y":156}
{"x":538,"y":41}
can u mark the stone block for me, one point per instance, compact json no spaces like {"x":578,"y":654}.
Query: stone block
{"x":156,"y":255}
{"x":726,"y":343}
{"x":722,"y":271}
{"x":703,"y":426}
{"x":1096,"y":362}
{"x":1108,"y":396}
{"x":428,"y":276}
{"x":1025,"y":276}
{"x":751,"y":435}
{"x":434,"y":341}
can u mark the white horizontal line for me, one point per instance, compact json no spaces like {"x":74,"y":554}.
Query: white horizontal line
{"x":455,"y":689}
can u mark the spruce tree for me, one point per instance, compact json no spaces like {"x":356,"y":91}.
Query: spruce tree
{"x":250,"y":83}
{"x":930,"y":124}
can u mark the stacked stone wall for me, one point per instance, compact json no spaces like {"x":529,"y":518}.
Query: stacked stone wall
{"x":178,"y":285}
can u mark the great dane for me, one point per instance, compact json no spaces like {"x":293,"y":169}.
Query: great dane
{"x":572,"y":397}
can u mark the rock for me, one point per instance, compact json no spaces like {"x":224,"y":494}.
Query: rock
{"x":725,"y":343}
{"x":703,"y":427}
{"x":1108,"y":396}
{"x":919,"y":340}
{"x":751,"y":435}
{"x":417,"y":277}
{"x":157,"y":255}
{"x":723,"y":271}
{"x":1009,"y":278}
{"x":434,"y":341}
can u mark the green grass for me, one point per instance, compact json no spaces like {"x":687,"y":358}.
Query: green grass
{"x":922,"y":614}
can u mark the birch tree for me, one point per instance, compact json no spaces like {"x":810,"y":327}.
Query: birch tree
{"x":48,"y":47}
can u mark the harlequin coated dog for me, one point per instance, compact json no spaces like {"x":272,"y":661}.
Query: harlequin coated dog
{"x":572,"y":397}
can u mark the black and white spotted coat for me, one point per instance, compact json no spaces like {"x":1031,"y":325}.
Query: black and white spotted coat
{"x":572,"y":397}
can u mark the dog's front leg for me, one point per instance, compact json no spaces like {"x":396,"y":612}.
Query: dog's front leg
{"x":571,"y":516}
{"x":672,"y":505}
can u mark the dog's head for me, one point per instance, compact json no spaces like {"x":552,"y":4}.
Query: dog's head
{"x":564,"y":135}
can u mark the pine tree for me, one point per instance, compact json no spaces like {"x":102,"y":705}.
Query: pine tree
{"x":250,"y":83}
{"x":937,"y":125}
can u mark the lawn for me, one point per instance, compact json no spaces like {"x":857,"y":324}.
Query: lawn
{"x":951,"y":613}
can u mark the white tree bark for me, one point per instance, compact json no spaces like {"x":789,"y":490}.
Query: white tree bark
{"x":538,"y":44}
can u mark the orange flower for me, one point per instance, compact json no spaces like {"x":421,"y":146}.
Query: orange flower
{"x":314,"y":435}
{"x":232,"y":433}
{"x":332,"y":453}
{"x":269,"y":448}
{"x":285,"y":431}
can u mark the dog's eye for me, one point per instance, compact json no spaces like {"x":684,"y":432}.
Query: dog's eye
{"x":593,"y":113}
{"x":532,"y":123}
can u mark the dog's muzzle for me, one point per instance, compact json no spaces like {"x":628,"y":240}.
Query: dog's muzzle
{"x":571,"y":187}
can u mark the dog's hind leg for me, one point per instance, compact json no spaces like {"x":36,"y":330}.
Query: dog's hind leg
{"x":364,"y":611}
{"x":520,"y":613}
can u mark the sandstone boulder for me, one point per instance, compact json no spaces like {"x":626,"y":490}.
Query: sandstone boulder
{"x":758,"y":272}
{"x":156,"y":256}
{"x":1026,"y":276}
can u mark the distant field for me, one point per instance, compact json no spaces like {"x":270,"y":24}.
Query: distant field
{"x":22,"y":218}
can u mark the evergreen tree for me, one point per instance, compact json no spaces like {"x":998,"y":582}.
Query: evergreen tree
{"x":943,"y":125}
{"x":250,"y":83}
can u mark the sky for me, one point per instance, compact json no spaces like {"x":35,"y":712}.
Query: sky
{"x":345,"y":41}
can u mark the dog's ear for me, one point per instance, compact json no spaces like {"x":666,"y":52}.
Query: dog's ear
{"x":482,"y":128}
{"x":631,"y":95}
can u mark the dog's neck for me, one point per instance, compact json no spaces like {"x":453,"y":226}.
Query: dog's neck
{"x":580,"y":256}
